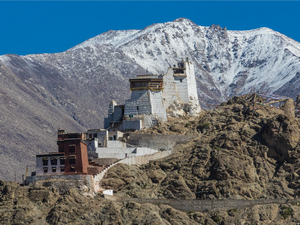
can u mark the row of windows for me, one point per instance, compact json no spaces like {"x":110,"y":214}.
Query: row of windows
{"x":92,"y":136}
{"x":62,"y":169}
{"x":62,"y":161}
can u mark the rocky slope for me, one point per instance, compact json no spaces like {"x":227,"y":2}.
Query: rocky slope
{"x":25,"y":205}
{"x":72,"y":89}
{"x":238,"y":153}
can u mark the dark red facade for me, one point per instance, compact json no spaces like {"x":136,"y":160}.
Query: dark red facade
{"x":75,"y":150}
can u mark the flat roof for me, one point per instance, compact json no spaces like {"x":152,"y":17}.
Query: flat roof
{"x":51,"y":154}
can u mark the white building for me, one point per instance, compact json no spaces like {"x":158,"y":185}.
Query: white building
{"x":154,"y":97}
{"x":107,"y":144}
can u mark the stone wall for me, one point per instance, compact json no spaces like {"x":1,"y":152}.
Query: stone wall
{"x":140,"y":99}
{"x":137,"y":160}
{"x":156,"y":141}
{"x":203,"y":205}
{"x":140,"y":160}
{"x":62,"y":182}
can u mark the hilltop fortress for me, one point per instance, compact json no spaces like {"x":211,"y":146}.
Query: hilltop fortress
{"x":154,"y":97}
{"x":87,"y":156}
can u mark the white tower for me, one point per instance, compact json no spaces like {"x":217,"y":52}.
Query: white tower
{"x":180,"y":85}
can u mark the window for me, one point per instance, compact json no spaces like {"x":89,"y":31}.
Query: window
{"x":180,"y":80}
{"x":53,"y":169}
{"x":53,"y":160}
{"x":90,"y":135}
{"x":62,"y":160}
{"x":72,"y":148}
{"x":95,"y":135}
{"x":115,"y":137}
{"x":62,"y":169}
{"x":45,"y":170}
{"x":72,"y":159}
{"x":72,"y":169}
{"x":137,"y":108}
{"x":99,"y":144}
{"x":45,"y":161}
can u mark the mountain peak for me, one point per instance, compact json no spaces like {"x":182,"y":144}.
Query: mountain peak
{"x":182,"y":19}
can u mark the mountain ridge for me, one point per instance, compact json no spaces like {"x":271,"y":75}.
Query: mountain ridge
{"x":80,"y":82}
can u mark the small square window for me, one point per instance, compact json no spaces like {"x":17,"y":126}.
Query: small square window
{"x":45,"y":170}
{"x":95,"y":135}
{"x":53,"y":169}
{"x":72,"y":169}
{"x":71,"y":148}
{"x":99,"y":144}
{"x":45,"y":162}
{"x":62,"y":161}
{"x":72,"y":161}
{"x":90,"y":136}
{"x":62,"y":169}
{"x":54,"y":161}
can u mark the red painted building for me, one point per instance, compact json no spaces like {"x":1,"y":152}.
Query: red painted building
{"x":75,"y":150}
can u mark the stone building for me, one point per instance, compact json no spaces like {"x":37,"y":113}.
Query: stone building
{"x":71,"y":158}
{"x":154,"y":97}
{"x":106,"y":144}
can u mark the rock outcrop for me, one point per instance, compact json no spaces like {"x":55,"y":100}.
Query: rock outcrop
{"x":240,"y":151}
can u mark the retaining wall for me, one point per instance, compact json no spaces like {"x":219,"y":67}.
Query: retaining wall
{"x":62,"y":182}
{"x":156,"y":141}
{"x":136,"y":160}
{"x":203,"y":205}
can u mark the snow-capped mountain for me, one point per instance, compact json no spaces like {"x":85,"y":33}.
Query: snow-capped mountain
{"x":72,"y":89}
{"x":228,"y":62}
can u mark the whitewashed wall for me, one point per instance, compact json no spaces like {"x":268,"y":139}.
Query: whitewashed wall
{"x":157,"y":105}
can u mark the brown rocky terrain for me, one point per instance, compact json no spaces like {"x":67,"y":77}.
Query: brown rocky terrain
{"x":28,"y":205}
{"x":238,"y":152}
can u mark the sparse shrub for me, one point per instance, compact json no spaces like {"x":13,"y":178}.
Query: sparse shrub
{"x":217,"y":148}
{"x":194,"y":216}
{"x":205,"y":125}
{"x":293,"y":203}
{"x":231,"y":211}
{"x":216,"y":219}
{"x":190,"y":212}
{"x":285,"y":212}
{"x":187,"y":125}
{"x":177,"y":167}
{"x":144,"y":186}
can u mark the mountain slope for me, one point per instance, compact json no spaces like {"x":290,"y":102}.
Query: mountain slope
{"x":72,"y":89}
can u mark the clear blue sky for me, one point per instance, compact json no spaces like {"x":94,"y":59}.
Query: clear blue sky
{"x":49,"y":27}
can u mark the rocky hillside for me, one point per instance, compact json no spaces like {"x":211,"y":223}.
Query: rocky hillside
{"x":72,"y":89}
{"x":28,"y":205}
{"x":240,"y":151}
